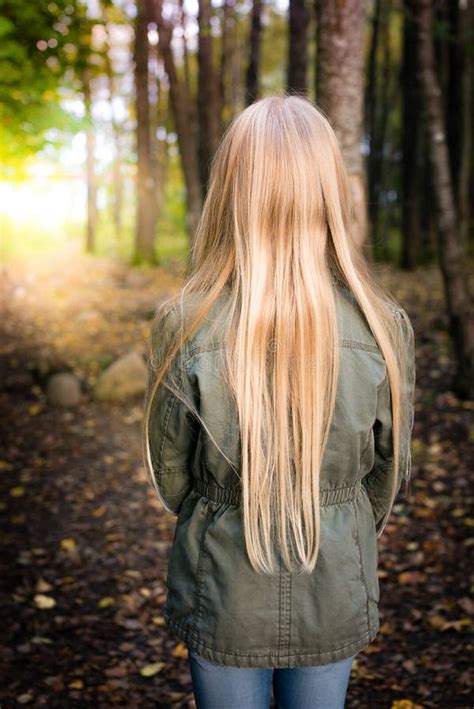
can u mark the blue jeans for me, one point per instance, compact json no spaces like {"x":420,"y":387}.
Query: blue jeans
{"x":225,"y":687}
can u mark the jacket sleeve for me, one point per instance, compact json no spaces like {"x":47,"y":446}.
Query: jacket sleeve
{"x":378,"y":481}
{"x":170,"y":439}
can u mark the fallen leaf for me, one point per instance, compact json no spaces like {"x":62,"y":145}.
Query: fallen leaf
{"x":106,"y":602}
{"x":76,"y":684}
{"x":151,"y":670}
{"x":25,"y":698}
{"x":44,"y":602}
{"x":17,"y":491}
{"x":409,"y":577}
{"x":180,"y":650}
{"x":42,"y":586}
{"x":68,"y":544}
{"x":436,"y":621}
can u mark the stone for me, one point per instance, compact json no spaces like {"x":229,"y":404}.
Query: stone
{"x":63,"y":389}
{"x":125,"y":378}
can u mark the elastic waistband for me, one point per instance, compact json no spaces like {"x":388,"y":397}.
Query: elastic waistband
{"x":232,"y":496}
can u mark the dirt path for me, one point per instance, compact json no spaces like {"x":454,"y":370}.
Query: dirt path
{"x":84,"y":534}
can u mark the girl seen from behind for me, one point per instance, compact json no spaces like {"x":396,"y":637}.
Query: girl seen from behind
{"x":278,"y":417}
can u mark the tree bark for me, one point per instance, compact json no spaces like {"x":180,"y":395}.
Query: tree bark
{"x":459,"y":108}
{"x":183,"y":121}
{"x":411,"y":226}
{"x":298,"y":47}
{"x":187,"y":71}
{"x":117,"y":178}
{"x":466,"y":176}
{"x":145,"y":214}
{"x":91,"y":225}
{"x":209,"y":104}
{"x":253,"y":66}
{"x":340,"y":90}
{"x":228,"y":46}
{"x":380,"y":101}
{"x":371,"y":100}
{"x":450,"y":249}
{"x":158,"y":146}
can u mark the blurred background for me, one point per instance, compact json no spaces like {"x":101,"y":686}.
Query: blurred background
{"x":110,"y":112}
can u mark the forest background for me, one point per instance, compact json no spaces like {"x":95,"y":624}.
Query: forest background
{"x":110,"y":112}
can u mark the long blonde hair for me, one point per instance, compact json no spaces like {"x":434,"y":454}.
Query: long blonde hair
{"x":275,"y":233}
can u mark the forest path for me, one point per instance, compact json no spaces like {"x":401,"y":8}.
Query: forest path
{"x":85,"y":540}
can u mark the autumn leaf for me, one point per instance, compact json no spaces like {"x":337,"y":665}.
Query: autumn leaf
{"x":44,"y":602}
{"x":436,"y":621}
{"x":180,"y":650}
{"x":25,"y":698}
{"x":151,"y":670}
{"x":411,"y":577}
{"x":457,"y":625}
{"x":68,"y":544}
{"x":17,"y":491}
{"x":43,"y":586}
{"x":76,"y":684}
{"x":158,"y":620}
{"x":106,"y":602}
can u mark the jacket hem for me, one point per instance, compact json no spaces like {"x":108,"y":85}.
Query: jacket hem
{"x":268,"y":658}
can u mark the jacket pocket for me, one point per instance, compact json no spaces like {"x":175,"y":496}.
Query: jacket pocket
{"x":367,"y":538}
{"x":201,"y":567}
{"x":185,"y":558}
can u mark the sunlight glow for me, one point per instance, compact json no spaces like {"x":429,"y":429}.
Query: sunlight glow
{"x":42,"y":201}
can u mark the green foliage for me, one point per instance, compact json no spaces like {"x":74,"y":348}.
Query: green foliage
{"x":42,"y":45}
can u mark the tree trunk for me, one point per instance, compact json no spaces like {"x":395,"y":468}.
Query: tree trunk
{"x":158,"y":145}
{"x":411,"y":226}
{"x":428,"y":237}
{"x":450,"y":248}
{"x":145,"y":219}
{"x":466,"y":176}
{"x":228,"y":46}
{"x":388,"y":100}
{"x":183,"y":122}
{"x":459,"y":108}
{"x":298,"y":47}
{"x":253,"y":66}
{"x":209,"y":104}
{"x":371,"y":98}
{"x":91,"y":226}
{"x":117,"y":178}
{"x":380,"y":101}
{"x":187,"y":71}
{"x":340,"y":90}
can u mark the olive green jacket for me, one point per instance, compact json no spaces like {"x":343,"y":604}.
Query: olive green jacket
{"x":216,"y":603}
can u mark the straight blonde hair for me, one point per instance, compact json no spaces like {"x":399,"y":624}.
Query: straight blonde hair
{"x":275,"y":234}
